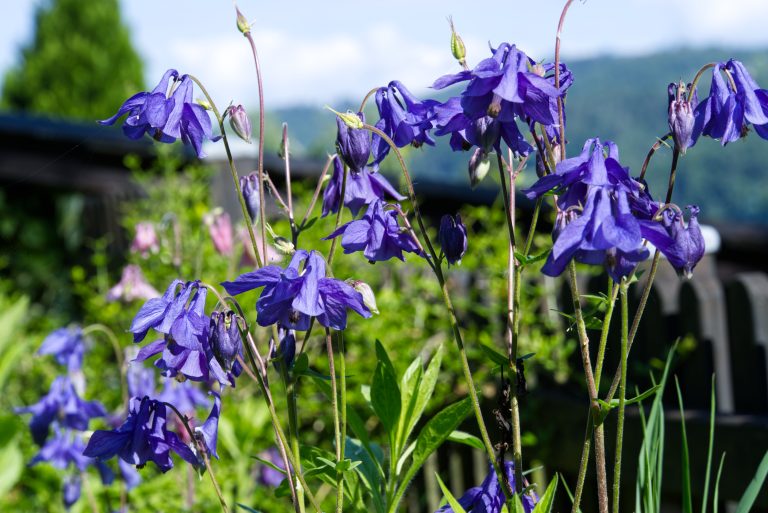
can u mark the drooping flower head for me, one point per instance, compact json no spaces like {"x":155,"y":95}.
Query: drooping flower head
{"x":403,"y":117}
{"x":682,"y":245}
{"x":208,"y":433}
{"x":598,"y":226}
{"x":179,"y":312}
{"x":220,"y":229}
{"x":732,"y":104}
{"x":489,"y":497}
{"x":249,"y":186}
{"x":145,"y":241}
{"x":239,"y":121}
{"x":293,"y":295}
{"x":67,"y":345}
{"x":453,"y":238}
{"x":353,"y":144}
{"x":225,"y":339}
{"x":167,"y":113}
{"x":378,"y":235}
{"x":283,"y":352}
{"x":61,"y":404}
{"x":143,"y":437}
{"x":132,"y":286}
{"x":362,"y":189}
{"x":681,"y":116}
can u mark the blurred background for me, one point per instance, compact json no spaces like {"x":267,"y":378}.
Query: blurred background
{"x":72,"y":191}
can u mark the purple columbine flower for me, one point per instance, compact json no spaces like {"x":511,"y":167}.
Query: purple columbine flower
{"x":220,"y":228}
{"x":403,"y":117}
{"x":166,"y":113}
{"x":378,"y":235}
{"x":145,"y":241}
{"x":596,"y":224}
{"x":292,"y":296}
{"x":179,"y":312}
{"x":132,"y":286}
{"x":682,"y":245}
{"x":353,"y":144}
{"x":362,"y":189}
{"x":225,"y":339}
{"x":184,"y":395}
{"x":727,"y":111}
{"x":453,"y":238}
{"x":681,"y":116}
{"x":143,"y":437}
{"x":67,"y":345}
{"x":208,"y":433}
{"x":249,"y":187}
{"x":61,"y":404}
{"x":284,"y":352}
{"x":489,"y":497}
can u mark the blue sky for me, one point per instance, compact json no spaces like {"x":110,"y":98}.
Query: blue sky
{"x":316,"y":52}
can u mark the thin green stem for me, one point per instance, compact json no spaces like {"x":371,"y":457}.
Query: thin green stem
{"x":436,"y":267}
{"x":343,"y":412}
{"x":560,"y":109}
{"x":334,"y":241}
{"x":622,"y":395}
{"x":612,"y":294}
{"x":658,"y":144}
{"x":233,"y":170}
{"x":602,"y":482}
{"x":288,"y":192}
{"x":316,"y":194}
{"x":293,"y":423}
{"x":584,"y":462}
{"x":336,"y":417}
{"x":366,"y":98}
{"x":695,"y":81}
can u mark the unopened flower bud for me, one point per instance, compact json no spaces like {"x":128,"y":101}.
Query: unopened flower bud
{"x":240,"y":123}
{"x":479,"y":165}
{"x":453,"y":238}
{"x":365,"y":290}
{"x":145,"y":241}
{"x":285,"y":350}
{"x":225,"y":338}
{"x":242,"y":23}
{"x":458,"y":49}
{"x":249,"y":187}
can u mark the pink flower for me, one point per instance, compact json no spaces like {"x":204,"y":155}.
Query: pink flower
{"x":249,"y":258}
{"x":132,"y":286}
{"x":145,"y":241}
{"x":220,"y":228}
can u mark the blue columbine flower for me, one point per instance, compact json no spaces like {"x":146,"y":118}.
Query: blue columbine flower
{"x":208,"y":433}
{"x":292,"y":296}
{"x":378,"y":235}
{"x":681,"y":116}
{"x":179,"y":312}
{"x":453,"y":238}
{"x":61,"y":404}
{"x":489,"y":497}
{"x":682,"y":245}
{"x":67,"y":345}
{"x":284,"y":351}
{"x":353,"y":144}
{"x":249,"y":187}
{"x":167,"y":113}
{"x":727,"y":111}
{"x":596,"y":224}
{"x":143,"y":437}
{"x":225,"y":339}
{"x":403,"y":117}
{"x":361,"y":189}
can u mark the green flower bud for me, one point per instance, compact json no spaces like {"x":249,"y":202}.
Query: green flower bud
{"x":458,"y":49}
{"x":349,"y":118}
{"x":242,"y":23}
{"x":366,"y":291}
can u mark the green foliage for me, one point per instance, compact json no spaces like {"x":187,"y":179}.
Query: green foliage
{"x":80,"y":63}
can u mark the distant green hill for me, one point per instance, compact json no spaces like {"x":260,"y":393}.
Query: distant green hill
{"x":622,"y":99}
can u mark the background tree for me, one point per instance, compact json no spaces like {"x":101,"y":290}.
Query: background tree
{"x":81,"y":62}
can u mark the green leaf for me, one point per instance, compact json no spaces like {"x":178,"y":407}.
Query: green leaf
{"x":418,"y":398}
{"x":685,"y":463}
{"x":750,"y":494}
{"x":269,"y":464}
{"x":385,"y":392}
{"x":525,"y":260}
{"x":495,"y":356}
{"x":309,"y":223}
{"x":605,"y":408}
{"x":517,"y":504}
{"x":715,"y":497}
{"x":437,"y":430}
{"x":11,"y":466}
{"x":711,"y":443}
{"x":455,"y":506}
{"x":568,"y":490}
{"x":369,"y":470}
{"x":409,"y":389}
{"x":465,"y":438}
{"x":545,"y":502}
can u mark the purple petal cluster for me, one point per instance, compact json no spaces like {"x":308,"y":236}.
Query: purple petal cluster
{"x":453,"y":238}
{"x":489,"y":497}
{"x":293,"y":295}
{"x":143,"y":437}
{"x":596,"y":224}
{"x":353,"y":144}
{"x":378,"y":235}
{"x":362,"y":189}
{"x":132,"y":286}
{"x":735,"y":101}
{"x":61,"y":404}
{"x":67,"y":345}
{"x":166,"y":113}
{"x":682,"y":245}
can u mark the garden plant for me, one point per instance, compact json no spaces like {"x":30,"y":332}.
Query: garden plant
{"x":210,"y":346}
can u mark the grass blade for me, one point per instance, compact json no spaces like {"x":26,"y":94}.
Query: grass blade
{"x":685,"y":464}
{"x":715,"y":499}
{"x":709,"y":450}
{"x":750,"y":494}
